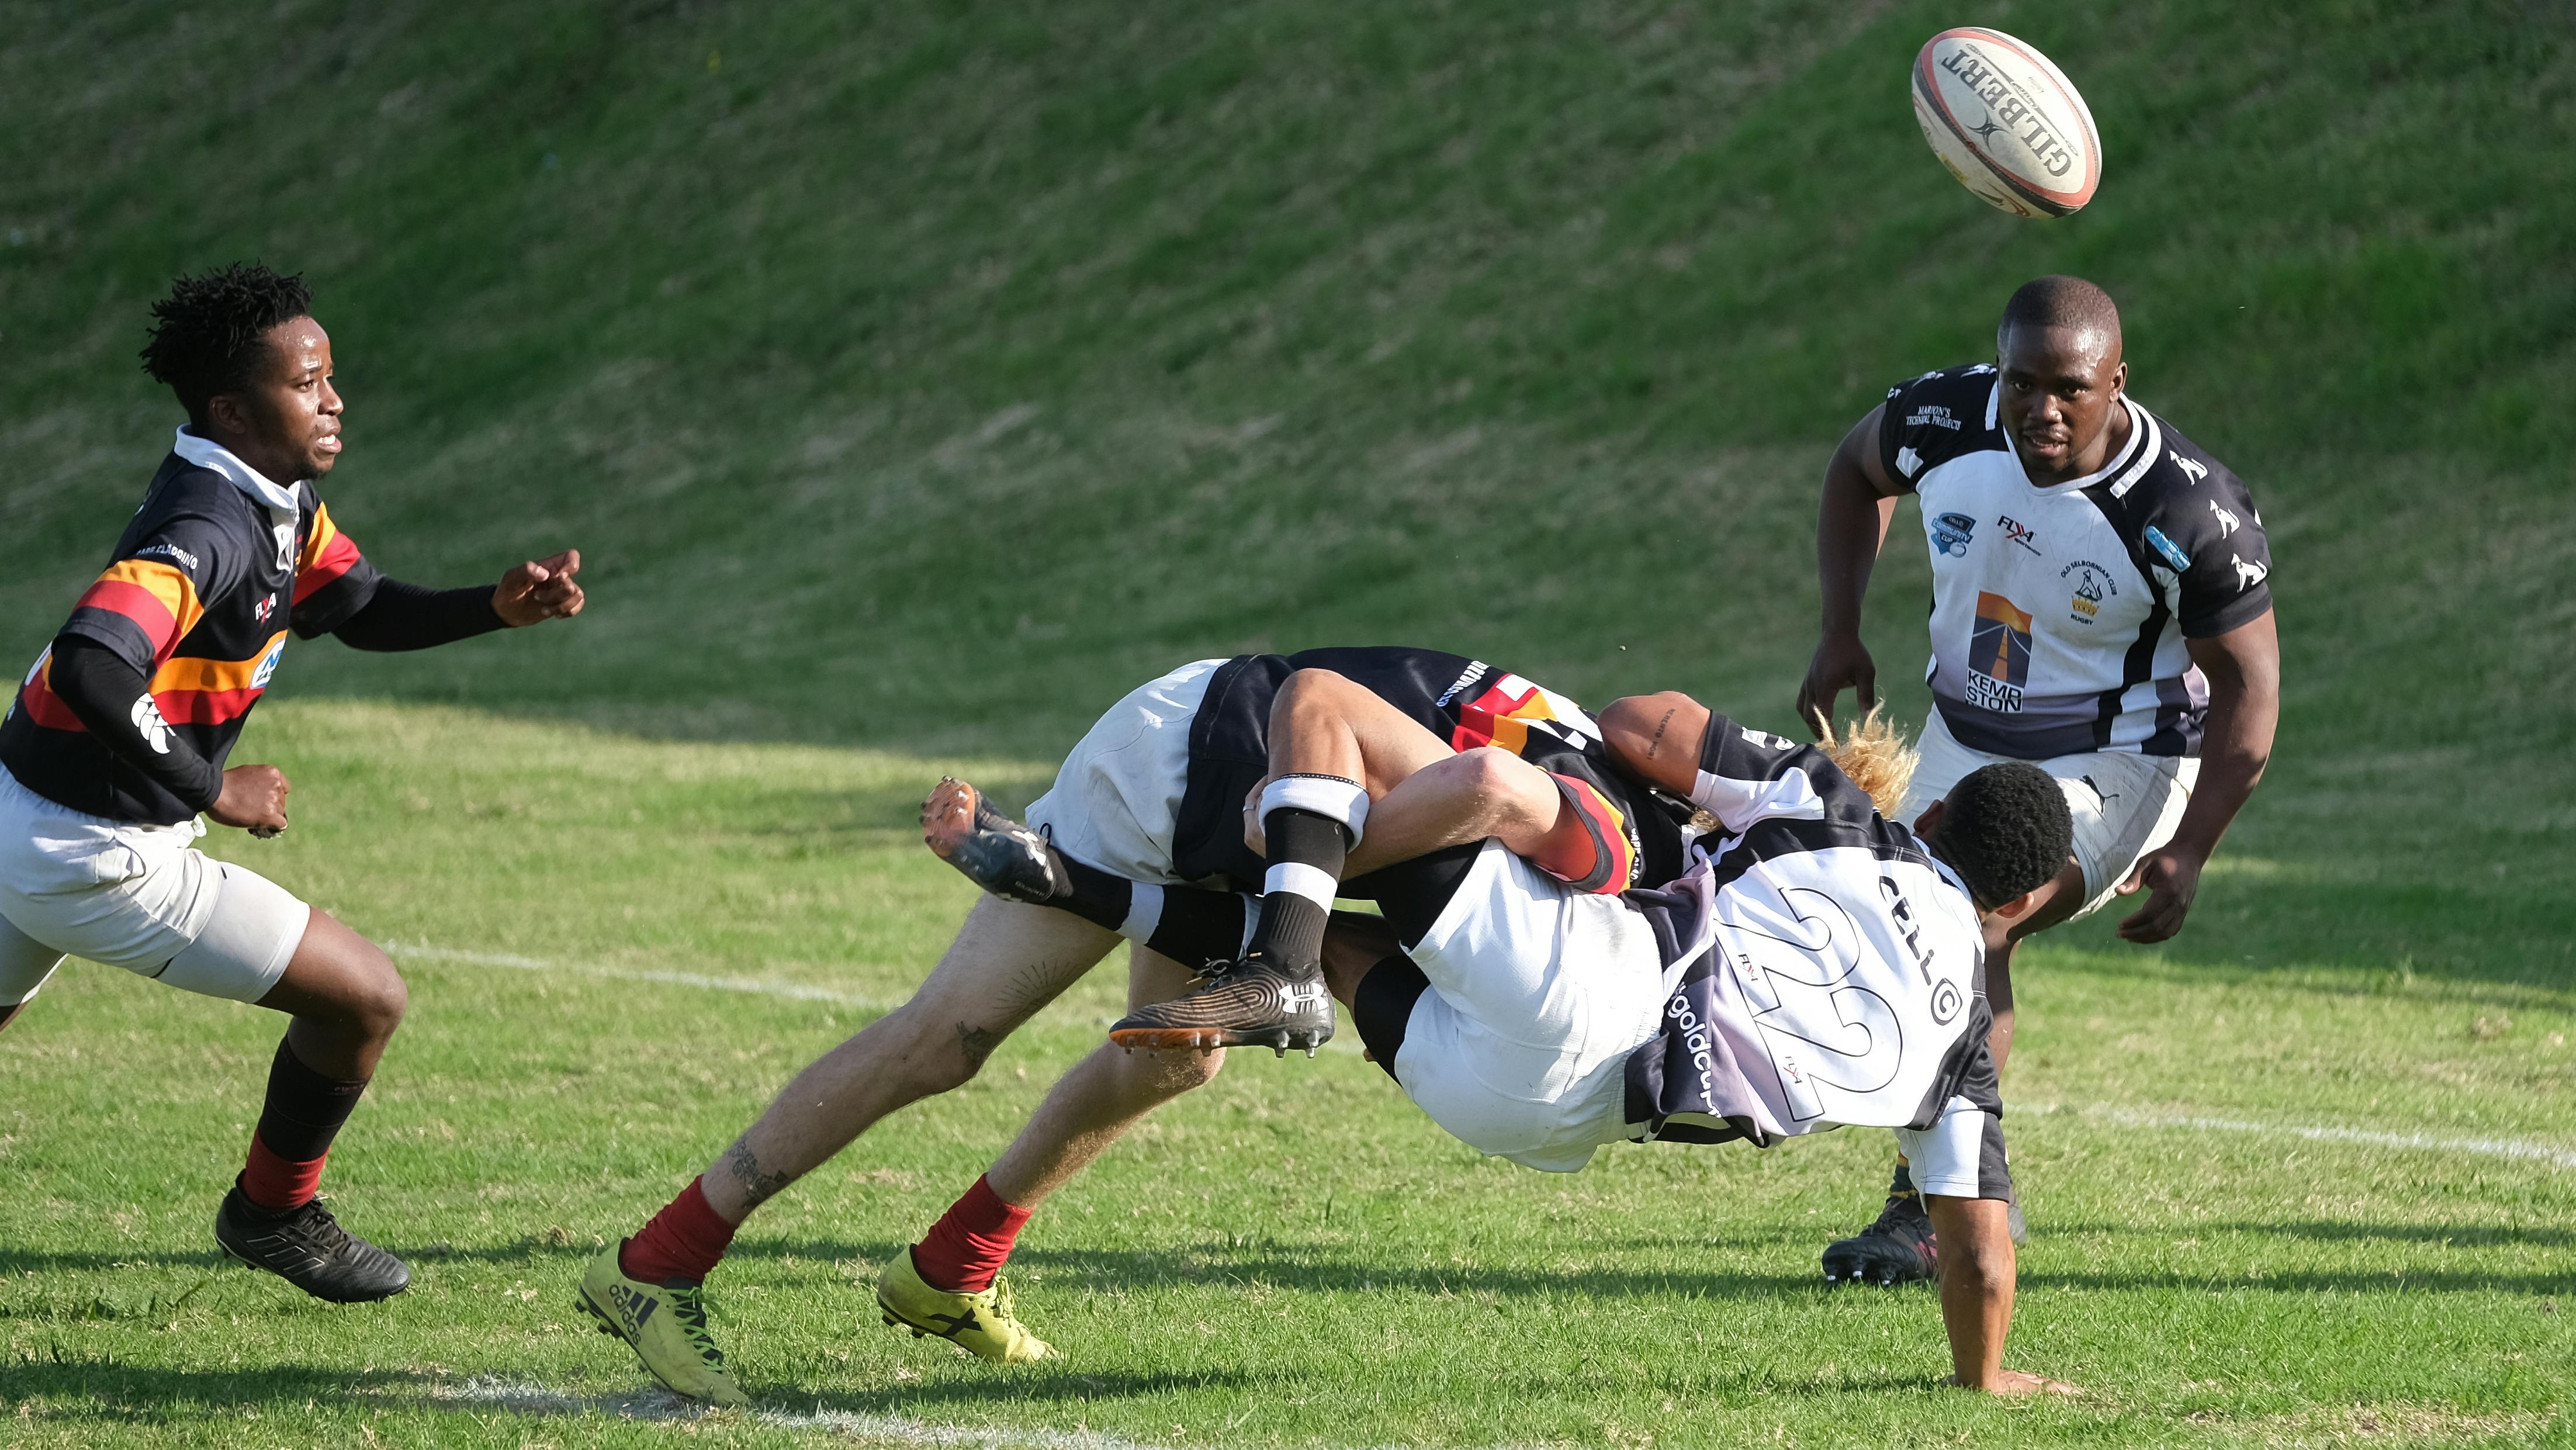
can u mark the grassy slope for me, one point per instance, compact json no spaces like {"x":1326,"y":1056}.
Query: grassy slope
{"x":918,"y":377}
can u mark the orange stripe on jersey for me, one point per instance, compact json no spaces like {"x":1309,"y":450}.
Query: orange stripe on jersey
{"x":160,"y":600}
{"x":185,"y":676}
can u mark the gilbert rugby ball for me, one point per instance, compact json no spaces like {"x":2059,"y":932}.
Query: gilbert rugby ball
{"x":2007,"y":123}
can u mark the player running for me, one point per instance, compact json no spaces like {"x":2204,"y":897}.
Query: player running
{"x":1152,"y":796}
{"x":1821,"y":968}
{"x":118,"y":741}
{"x":2100,"y":607}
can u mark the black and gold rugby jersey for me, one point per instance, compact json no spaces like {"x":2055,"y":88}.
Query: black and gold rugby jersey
{"x":1467,"y":703}
{"x":216,"y":566}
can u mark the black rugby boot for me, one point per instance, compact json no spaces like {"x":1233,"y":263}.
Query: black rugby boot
{"x":306,"y":1247}
{"x":990,"y":849}
{"x":1898,"y":1249}
{"x":1248,"y":1003}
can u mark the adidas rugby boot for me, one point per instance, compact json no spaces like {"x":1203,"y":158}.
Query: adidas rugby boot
{"x":1247,"y":1003}
{"x":980,"y":1323}
{"x":1898,"y":1249}
{"x":990,"y":849}
{"x":666,"y":1326}
{"x":306,"y":1247}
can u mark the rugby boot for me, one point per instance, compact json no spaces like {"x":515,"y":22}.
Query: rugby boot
{"x":306,"y":1247}
{"x":666,"y":1326}
{"x":1898,"y":1249}
{"x":1247,"y":1003}
{"x":980,"y":1323}
{"x":990,"y":849}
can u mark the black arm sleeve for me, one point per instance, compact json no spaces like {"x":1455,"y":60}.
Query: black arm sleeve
{"x":103,"y":688}
{"x":407,"y":616}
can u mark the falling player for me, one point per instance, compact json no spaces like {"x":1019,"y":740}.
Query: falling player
{"x":1151,"y":794}
{"x":2099,"y":608}
{"x":118,"y":742}
{"x":1820,"y":968}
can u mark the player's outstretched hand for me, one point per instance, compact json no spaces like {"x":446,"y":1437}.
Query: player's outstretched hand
{"x":1842,"y":663}
{"x":539,"y":590}
{"x":2171,"y":878}
{"x":254,"y":799}
{"x":2017,"y":1382}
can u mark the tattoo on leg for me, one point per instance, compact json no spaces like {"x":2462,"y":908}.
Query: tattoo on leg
{"x":759,"y":1185}
{"x":977,"y":1043}
{"x":1660,"y":727}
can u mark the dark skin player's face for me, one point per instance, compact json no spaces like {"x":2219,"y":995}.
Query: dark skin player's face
{"x":2059,"y":388}
{"x":286,"y":423}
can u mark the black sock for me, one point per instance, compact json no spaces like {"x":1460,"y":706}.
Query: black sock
{"x":304,"y":1109}
{"x":1306,"y":850}
{"x":1093,"y":894}
{"x":1191,"y":926}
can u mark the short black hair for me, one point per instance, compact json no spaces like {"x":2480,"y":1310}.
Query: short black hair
{"x":207,"y":334}
{"x":2005,"y":829}
{"x":2068,"y":302}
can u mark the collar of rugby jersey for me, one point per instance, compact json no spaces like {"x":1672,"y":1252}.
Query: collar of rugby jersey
{"x":213,"y":456}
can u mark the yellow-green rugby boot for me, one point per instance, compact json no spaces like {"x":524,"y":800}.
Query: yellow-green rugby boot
{"x":980,"y":1323}
{"x":666,"y":1326}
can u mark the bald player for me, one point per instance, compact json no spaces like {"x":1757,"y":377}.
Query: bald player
{"x":2101,"y":607}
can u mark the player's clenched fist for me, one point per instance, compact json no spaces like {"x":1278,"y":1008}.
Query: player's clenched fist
{"x":254,"y":799}
{"x":539,"y":590}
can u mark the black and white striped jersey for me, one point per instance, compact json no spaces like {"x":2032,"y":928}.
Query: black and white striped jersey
{"x":1825,"y":970}
{"x":2059,"y":613}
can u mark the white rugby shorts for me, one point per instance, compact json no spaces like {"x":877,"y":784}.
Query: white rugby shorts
{"x":1538,"y":993}
{"x":2125,"y":805}
{"x":133,"y":896}
{"x":1117,"y":798}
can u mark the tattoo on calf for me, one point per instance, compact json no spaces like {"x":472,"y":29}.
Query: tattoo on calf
{"x":759,"y":1184}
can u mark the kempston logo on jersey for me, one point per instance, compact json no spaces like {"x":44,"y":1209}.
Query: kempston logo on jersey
{"x":2019,"y":533}
{"x":2228,"y":523}
{"x":2092,"y":585}
{"x":1932,"y":415}
{"x":2171,"y":551}
{"x":1950,"y":533}
{"x":168,"y":551}
{"x":2196,"y":471}
{"x":1998,"y":654}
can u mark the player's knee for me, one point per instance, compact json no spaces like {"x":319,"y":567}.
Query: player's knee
{"x":1169,"y":1074}
{"x":379,"y":998}
{"x":928,"y":1052}
{"x":1510,"y":789}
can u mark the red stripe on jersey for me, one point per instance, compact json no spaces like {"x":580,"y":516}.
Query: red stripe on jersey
{"x":145,"y":607}
{"x":333,"y":561}
{"x":206,"y":707}
{"x":46,"y":708}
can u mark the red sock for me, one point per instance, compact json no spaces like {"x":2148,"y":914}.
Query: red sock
{"x":684,"y":1241}
{"x":279,"y":1183}
{"x":970,"y":1243}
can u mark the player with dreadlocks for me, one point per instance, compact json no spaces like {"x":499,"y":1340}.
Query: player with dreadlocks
{"x":119,"y":741}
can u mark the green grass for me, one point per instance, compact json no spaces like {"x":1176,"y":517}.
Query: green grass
{"x":917,"y":377}
{"x":1293,"y":1255}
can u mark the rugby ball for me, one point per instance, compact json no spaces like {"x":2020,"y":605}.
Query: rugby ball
{"x":2006,"y":122}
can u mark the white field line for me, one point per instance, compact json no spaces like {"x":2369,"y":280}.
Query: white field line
{"x":2550,"y":1154}
{"x":534,"y":1400}
{"x":796,"y":991}
{"x":2318,"y":1133}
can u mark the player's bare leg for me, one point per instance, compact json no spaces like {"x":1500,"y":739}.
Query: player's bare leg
{"x":1008,"y":961}
{"x":346,"y":1000}
{"x":949,"y":1283}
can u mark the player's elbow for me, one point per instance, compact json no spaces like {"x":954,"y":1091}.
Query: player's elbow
{"x":1628,"y":724}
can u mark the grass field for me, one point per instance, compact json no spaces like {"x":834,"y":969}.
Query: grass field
{"x":1293,"y":1255}
{"x":916,"y":377}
